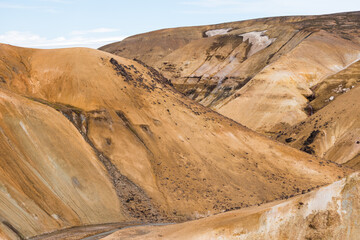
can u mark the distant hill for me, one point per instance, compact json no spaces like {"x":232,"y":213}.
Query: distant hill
{"x":259,"y":72}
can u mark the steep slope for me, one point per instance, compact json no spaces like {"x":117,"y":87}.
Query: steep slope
{"x":43,"y":183}
{"x":331,"y":212}
{"x":277,"y":94}
{"x":167,"y":157}
{"x":335,"y":85}
{"x":257,"y":72}
{"x":333,"y":132}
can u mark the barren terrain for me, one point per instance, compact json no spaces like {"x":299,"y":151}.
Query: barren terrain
{"x":237,"y":130}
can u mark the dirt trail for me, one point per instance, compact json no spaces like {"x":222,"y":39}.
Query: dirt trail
{"x":92,"y":232}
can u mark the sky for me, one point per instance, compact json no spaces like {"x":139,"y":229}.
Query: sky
{"x":90,"y":23}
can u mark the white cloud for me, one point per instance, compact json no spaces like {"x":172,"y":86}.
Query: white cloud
{"x":15,"y":36}
{"x":28,"y":39}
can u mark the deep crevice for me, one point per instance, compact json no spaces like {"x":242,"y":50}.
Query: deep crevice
{"x":154,"y":74}
{"x":291,"y":38}
{"x":136,"y":201}
{"x":129,"y":126}
{"x":13,"y":229}
{"x":306,"y":148}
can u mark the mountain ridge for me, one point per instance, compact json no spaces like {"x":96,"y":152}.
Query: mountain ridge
{"x":216,"y":70}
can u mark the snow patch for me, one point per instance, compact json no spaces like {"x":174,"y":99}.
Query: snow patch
{"x":341,"y":89}
{"x":258,"y":41}
{"x":215,"y":32}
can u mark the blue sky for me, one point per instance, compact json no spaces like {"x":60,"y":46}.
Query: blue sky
{"x":90,"y":23}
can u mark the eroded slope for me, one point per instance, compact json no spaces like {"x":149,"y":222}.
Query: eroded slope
{"x":167,"y":157}
{"x":258,"y":72}
{"x":279,"y":93}
{"x":49,"y":177}
{"x":331,"y":212}
{"x":332,"y":133}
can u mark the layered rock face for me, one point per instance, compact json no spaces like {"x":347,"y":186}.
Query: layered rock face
{"x":258,"y":72}
{"x":331,"y":212}
{"x":88,"y":138}
{"x":50,"y":177}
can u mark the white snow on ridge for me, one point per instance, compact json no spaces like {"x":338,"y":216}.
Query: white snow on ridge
{"x":258,"y":40}
{"x":215,"y":32}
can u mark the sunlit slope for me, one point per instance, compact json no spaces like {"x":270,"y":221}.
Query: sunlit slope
{"x":258,"y":72}
{"x":278,"y":93}
{"x":49,"y":177}
{"x":332,"y":132}
{"x":331,"y":212}
{"x":167,"y":157}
